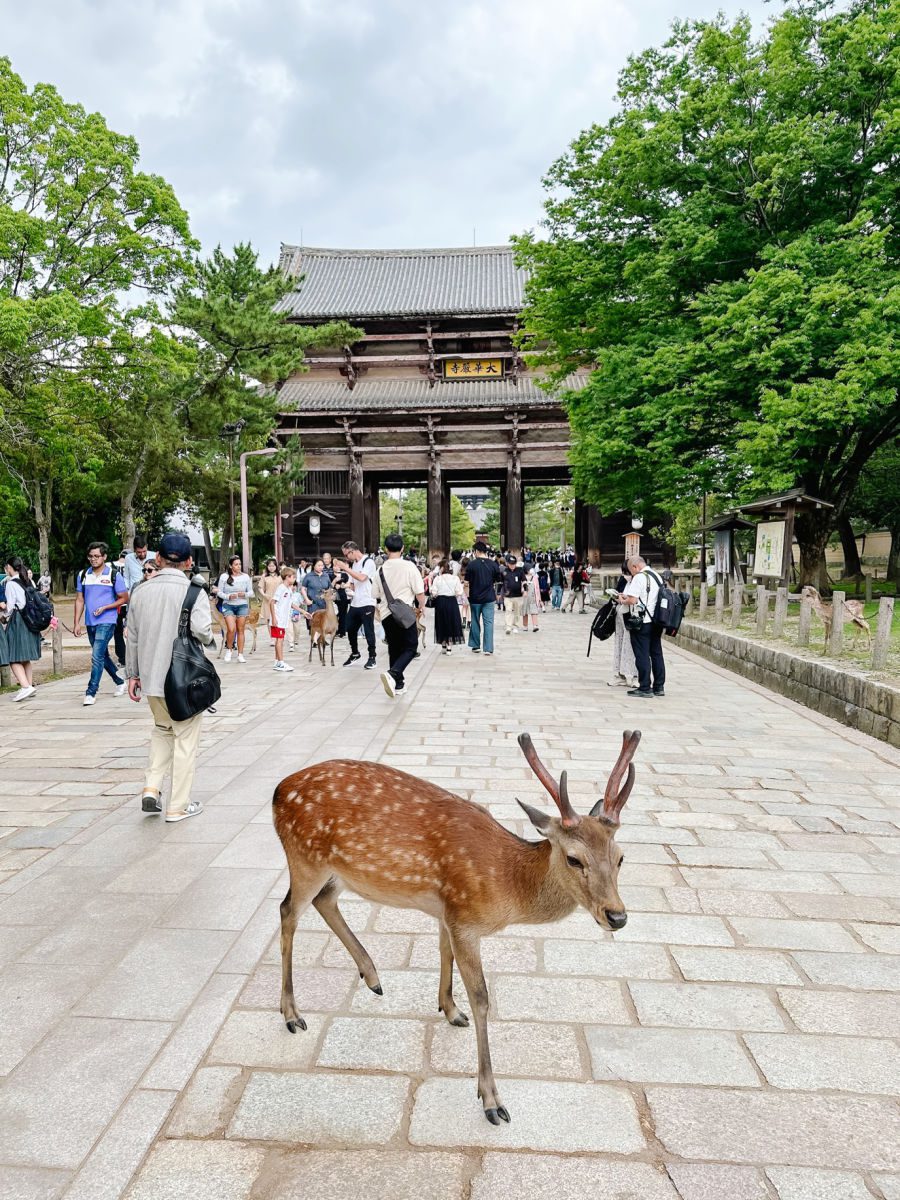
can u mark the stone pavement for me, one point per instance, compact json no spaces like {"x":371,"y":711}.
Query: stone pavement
{"x":738,"y":1039}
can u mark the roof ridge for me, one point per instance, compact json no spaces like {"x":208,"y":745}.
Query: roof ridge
{"x":422,"y":252}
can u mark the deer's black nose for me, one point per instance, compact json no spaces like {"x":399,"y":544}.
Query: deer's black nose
{"x":616,"y":919}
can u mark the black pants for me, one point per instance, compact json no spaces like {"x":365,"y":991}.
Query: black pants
{"x":364,"y":617}
{"x":119,"y":635}
{"x":342,"y":604}
{"x":648,"y":656}
{"x":402,"y":645}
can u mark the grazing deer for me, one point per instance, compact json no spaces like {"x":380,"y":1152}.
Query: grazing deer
{"x":252,"y":623}
{"x":323,"y":626}
{"x":853,"y":614}
{"x":399,"y":840}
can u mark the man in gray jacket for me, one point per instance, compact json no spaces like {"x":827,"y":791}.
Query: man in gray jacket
{"x":152,"y":626}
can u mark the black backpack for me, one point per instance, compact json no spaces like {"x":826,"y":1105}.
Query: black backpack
{"x":192,"y":683}
{"x":669,"y":607}
{"x":37,"y":611}
{"x":604,"y":623}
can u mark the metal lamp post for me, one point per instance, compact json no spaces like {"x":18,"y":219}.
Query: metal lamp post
{"x":230,"y":433}
{"x":565,"y":509}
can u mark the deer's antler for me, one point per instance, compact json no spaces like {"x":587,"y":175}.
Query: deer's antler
{"x":559,"y":792}
{"x":617,"y":791}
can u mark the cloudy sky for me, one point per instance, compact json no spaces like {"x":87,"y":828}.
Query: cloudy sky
{"x":357,"y":123}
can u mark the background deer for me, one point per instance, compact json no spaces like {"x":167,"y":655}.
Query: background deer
{"x":252,"y":624}
{"x":399,"y":840}
{"x":853,"y":613}
{"x":323,"y":625}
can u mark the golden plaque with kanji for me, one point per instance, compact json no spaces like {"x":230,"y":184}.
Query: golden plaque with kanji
{"x":473,"y":368}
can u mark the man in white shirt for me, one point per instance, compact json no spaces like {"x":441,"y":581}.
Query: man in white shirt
{"x":404,"y":582}
{"x":641,"y":594}
{"x":361,"y":569}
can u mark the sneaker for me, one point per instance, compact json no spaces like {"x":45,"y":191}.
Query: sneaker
{"x":352,"y":659}
{"x":151,"y":802}
{"x":488,"y":653}
{"x":659,"y":691}
{"x":89,"y":700}
{"x":535,"y":630}
{"x":24,"y":692}
{"x":121,"y":689}
{"x":389,"y":684}
{"x":620,"y":681}
{"x":369,"y":664}
{"x":228,"y":656}
{"x":508,"y":632}
{"x":475,"y":649}
{"x":639,"y":692}
{"x":192,"y":810}
{"x":241,"y":658}
{"x":286,"y":667}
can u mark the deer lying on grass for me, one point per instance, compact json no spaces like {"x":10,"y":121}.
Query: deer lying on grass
{"x":399,"y":840}
{"x":323,"y":626}
{"x":853,"y":614}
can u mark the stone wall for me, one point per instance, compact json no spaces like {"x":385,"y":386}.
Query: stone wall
{"x":847,"y":696}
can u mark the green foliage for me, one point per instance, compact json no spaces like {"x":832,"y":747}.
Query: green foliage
{"x":415,"y":522}
{"x":545,"y":519}
{"x":877,"y":500}
{"x":721,"y":256}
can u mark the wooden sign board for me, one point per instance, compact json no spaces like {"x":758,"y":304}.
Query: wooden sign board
{"x":473,"y":368}
{"x":768,"y":560}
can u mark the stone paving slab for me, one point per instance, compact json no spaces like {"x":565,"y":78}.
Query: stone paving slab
{"x":738,"y":1039}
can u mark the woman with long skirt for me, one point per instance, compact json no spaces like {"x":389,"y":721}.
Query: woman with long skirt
{"x":22,"y":647}
{"x":446,"y":590}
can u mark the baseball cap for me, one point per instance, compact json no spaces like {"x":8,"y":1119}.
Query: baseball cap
{"x":175,"y":547}
{"x":511,"y":558}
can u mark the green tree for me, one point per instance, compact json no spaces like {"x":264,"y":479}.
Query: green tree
{"x":415,"y":520}
{"x":244,"y":348}
{"x":545,"y":520}
{"x":877,"y":500}
{"x":721,"y":256}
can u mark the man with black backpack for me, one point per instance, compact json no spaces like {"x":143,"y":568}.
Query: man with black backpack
{"x":643,"y":595}
{"x":153,"y":620}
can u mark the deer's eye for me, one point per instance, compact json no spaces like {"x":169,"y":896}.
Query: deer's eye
{"x":574,"y":862}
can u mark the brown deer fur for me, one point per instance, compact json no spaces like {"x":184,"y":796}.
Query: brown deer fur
{"x":402,"y":841}
{"x":323,"y":625}
{"x":853,"y":613}
{"x":252,"y":623}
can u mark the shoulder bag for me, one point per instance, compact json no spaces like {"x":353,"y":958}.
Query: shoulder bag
{"x":192,"y":683}
{"x":402,"y":612}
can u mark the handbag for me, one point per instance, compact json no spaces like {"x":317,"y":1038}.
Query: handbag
{"x":603,"y":625}
{"x":192,"y":682}
{"x":402,"y":612}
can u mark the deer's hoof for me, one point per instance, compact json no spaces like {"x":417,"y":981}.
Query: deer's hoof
{"x":461,"y":1021}
{"x":297,"y":1023}
{"x":377,"y":989}
{"x":496,"y":1115}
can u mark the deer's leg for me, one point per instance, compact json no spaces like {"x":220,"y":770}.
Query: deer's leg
{"x":325,"y":904}
{"x":304,"y":887}
{"x":468,"y":955}
{"x":312,"y":642}
{"x":446,"y":1003}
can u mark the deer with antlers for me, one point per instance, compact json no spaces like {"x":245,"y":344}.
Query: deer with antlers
{"x":853,"y":614}
{"x":398,"y":840}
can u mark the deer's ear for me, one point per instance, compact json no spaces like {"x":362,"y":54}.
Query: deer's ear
{"x":540,"y":820}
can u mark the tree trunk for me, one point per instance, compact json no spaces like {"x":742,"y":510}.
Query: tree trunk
{"x":852,"y":565}
{"x":893,"y":567}
{"x":42,"y":502}
{"x":812,"y":531}
{"x":128,"y":506}
{"x":210,"y":556}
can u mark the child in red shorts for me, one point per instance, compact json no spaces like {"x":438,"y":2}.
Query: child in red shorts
{"x":280,"y":615}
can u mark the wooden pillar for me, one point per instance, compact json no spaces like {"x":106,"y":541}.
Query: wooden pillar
{"x":434,"y":512}
{"x":593,"y":526}
{"x":704,"y":601}
{"x":372,"y":504}
{"x":781,"y":607}
{"x":503,"y":507}
{"x":835,"y":646}
{"x":788,"y":553}
{"x":357,"y":501}
{"x":883,"y":633}
{"x":514,"y":527}
{"x":762,"y":610}
{"x":737,"y":601}
{"x":445,"y":519}
{"x":805,"y":621}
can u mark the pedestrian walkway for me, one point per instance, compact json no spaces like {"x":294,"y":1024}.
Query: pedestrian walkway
{"x":739,"y":1038}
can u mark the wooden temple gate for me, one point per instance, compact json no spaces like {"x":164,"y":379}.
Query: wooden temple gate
{"x":435,"y":395}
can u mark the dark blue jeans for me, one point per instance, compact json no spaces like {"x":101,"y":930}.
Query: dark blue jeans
{"x":648,"y":657}
{"x":100,"y":636}
{"x":482,"y":624}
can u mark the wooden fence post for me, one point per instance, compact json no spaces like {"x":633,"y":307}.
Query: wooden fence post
{"x":868,"y":589}
{"x":737,"y":600}
{"x":883,"y":633}
{"x":720,"y":603}
{"x":704,"y":601}
{"x":56,"y":638}
{"x":762,"y":610}
{"x":836,"y":641}
{"x":6,"y":679}
{"x":805,"y":621}
{"x":781,"y":608}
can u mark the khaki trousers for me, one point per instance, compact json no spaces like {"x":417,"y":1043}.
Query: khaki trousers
{"x":513,"y":612}
{"x":173,"y":751}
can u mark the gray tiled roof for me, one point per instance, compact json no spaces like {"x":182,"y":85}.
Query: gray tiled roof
{"x":381,"y":283}
{"x":401,"y":395}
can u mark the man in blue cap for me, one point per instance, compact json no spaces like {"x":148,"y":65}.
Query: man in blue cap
{"x":152,"y":626}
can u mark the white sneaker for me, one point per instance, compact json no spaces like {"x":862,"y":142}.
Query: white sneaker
{"x":23,"y":693}
{"x":89,"y":700}
{"x":192,"y":810}
{"x":617,"y":681}
{"x":241,"y":658}
{"x":286,"y":667}
{"x":388,"y":683}
{"x":121,"y":689}
{"x":228,"y":656}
